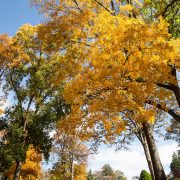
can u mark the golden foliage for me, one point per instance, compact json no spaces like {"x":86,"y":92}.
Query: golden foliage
{"x":80,"y":172}
{"x":31,"y":168}
{"x":112,"y":63}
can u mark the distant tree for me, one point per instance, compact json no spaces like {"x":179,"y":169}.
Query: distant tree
{"x":91,"y":176}
{"x":107,"y":170}
{"x":175,"y":165}
{"x":107,"y":173}
{"x":119,"y":175}
{"x":72,"y":153}
{"x":145,"y":175}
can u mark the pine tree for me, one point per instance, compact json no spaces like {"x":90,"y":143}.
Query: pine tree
{"x":107,"y":170}
{"x":175,"y":165}
{"x":90,"y":175}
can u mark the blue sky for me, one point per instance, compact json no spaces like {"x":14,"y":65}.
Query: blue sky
{"x":15,"y":13}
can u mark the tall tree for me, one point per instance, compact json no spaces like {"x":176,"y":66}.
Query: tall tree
{"x":80,"y":35}
{"x":29,"y":71}
{"x":107,"y":170}
{"x":123,"y":64}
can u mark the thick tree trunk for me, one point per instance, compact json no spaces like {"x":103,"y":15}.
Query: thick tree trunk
{"x":157,"y":166}
{"x":18,"y":170}
{"x":148,"y":157}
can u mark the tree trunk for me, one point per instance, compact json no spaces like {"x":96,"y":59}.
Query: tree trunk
{"x":157,"y":166}
{"x":72,"y":167}
{"x":175,"y":87}
{"x":18,"y":170}
{"x":176,"y":91}
{"x":148,"y":157}
{"x":72,"y":172}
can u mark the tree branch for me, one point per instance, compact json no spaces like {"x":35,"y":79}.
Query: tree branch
{"x":167,"y":7}
{"x":166,"y":86}
{"x":166,"y":109}
{"x":29,"y":104}
{"x":77,"y":6}
{"x":104,"y":7}
{"x":16,"y":91}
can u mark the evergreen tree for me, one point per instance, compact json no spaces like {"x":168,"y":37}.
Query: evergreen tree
{"x":90,"y":175}
{"x":145,"y":175}
{"x":107,"y":170}
{"x":175,"y":165}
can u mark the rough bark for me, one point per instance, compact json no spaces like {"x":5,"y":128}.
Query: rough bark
{"x":141,"y":136}
{"x":139,"y":132}
{"x":18,"y":170}
{"x":157,"y":165}
{"x":148,"y":157}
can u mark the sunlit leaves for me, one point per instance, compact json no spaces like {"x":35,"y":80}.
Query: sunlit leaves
{"x":117,"y":58}
{"x":31,"y":168}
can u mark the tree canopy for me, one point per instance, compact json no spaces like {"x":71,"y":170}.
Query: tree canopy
{"x":94,"y":71}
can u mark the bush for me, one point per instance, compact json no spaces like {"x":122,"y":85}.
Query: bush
{"x":145,"y":175}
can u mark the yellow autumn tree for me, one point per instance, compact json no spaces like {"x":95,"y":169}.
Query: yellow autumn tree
{"x":115,"y":64}
{"x":113,"y":57}
{"x":28,"y":72}
{"x":80,"y":172}
{"x":31,"y":168}
{"x":120,"y":72}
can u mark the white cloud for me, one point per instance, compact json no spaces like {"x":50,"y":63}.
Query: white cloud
{"x":166,"y":151}
{"x":130,"y":162}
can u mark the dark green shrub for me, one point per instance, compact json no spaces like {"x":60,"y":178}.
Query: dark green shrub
{"x":145,"y":175}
